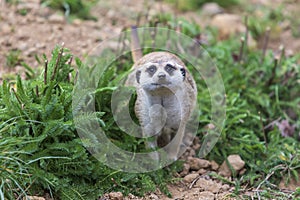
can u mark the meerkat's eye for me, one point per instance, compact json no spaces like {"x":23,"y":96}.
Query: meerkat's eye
{"x":152,"y":69}
{"x":170,"y":68}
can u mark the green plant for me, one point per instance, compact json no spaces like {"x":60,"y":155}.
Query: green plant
{"x":40,"y":149}
{"x":77,"y":8}
{"x":13,"y":58}
{"x":260,"y":89}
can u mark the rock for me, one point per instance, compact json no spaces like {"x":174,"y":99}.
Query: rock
{"x":208,"y":185}
{"x":153,"y":196}
{"x":190,"y":177}
{"x":228,"y":24}
{"x":206,"y":196}
{"x":115,"y":196}
{"x":214,"y":166}
{"x":185,"y":170}
{"x":211,"y":9}
{"x":56,"y":18}
{"x":224,"y":170}
{"x":201,"y":171}
{"x":235,"y":161}
{"x":225,"y":187}
{"x":77,"y":22}
{"x":198,"y":163}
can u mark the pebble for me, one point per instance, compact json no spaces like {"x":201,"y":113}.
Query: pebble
{"x":208,"y":185}
{"x":153,"y":196}
{"x":190,"y":177}
{"x":198,"y":163}
{"x":235,"y":161}
{"x":228,"y":24}
{"x":185,"y":170}
{"x":214,"y":166}
{"x":115,"y":196}
{"x":211,"y":9}
{"x":56,"y":18}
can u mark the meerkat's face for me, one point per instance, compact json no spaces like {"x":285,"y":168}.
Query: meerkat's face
{"x":161,"y":75}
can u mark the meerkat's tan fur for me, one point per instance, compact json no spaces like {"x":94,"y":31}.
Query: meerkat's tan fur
{"x":166,"y":97}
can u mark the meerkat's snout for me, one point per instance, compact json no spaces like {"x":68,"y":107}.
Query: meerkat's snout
{"x":161,"y":76}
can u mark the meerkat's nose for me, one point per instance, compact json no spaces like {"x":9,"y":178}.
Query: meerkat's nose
{"x":161,"y":75}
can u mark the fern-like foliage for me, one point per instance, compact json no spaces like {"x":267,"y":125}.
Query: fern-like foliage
{"x":40,"y":150}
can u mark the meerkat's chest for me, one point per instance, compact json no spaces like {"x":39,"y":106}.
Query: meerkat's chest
{"x":171,"y":106}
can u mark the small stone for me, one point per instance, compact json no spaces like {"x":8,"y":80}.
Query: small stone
{"x":190,"y":177}
{"x":235,"y":161}
{"x":56,"y":18}
{"x":228,"y":24}
{"x":206,"y":196}
{"x":208,"y":185}
{"x":201,"y":171}
{"x":214,"y":166}
{"x":115,"y":196}
{"x":198,"y":163}
{"x":153,"y":196}
{"x":211,"y":9}
{"x":185,"y":170}
{"x":225,"y":187}
{"x":77,"y":22}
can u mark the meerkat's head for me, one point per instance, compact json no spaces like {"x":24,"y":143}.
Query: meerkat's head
{"x":160,"y":70}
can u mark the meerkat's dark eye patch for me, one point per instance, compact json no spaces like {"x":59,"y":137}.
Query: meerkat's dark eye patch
{"x":183,"y":72}
{"x":138,"y":75}
{"x":170,"y":68}
{"x":151,"y":70}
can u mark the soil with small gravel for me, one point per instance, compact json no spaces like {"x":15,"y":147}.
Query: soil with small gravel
{"x":41,"y":29}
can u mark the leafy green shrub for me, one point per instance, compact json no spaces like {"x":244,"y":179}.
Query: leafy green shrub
{"x":40,"y":149}
{"x":259,"y":92}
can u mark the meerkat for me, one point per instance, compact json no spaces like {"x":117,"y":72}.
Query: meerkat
{"x":166,"y":97}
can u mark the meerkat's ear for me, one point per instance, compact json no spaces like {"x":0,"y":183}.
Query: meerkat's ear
{"x":138,"y":75}
{"x":183,"y":72}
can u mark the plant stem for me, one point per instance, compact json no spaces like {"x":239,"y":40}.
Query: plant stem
{"x":46,"y":71}
{"x":57,"y":62}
